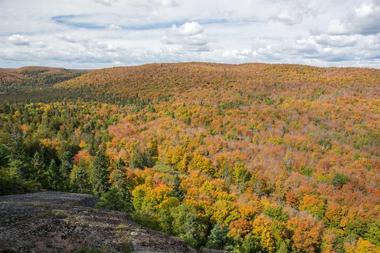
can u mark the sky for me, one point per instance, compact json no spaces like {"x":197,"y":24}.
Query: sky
{"x":106,"y":33}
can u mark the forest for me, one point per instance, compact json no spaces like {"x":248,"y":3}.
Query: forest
{"x":245,"y":158}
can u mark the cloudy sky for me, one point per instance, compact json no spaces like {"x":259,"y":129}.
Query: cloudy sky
{"x":103,"y":33}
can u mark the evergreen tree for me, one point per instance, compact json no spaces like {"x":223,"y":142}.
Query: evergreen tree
{"x":10,"y":180}
{"x":99,"y":173}
{"x":177,"y":191}
{"x":137,"y":159}
{"x":119,"y":165}
{"x":17,"y":155}
{"x":119,"y":196}
{"x":4,"y":155}
{"x":79,"y":179}
{"x":251,"y":244}
{"x":38,"y":169}
{"x":16,"y":145}
{"x":65,"y":170}
{"x":218,"y":237}
{"x":188,"y":226}
{"x":54,"y":176}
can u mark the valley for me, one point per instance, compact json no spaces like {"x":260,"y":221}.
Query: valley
{"x":241,"y":158}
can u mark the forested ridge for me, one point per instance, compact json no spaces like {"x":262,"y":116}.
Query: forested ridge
{"x":246,"y":158}
{"x":13,"y":80}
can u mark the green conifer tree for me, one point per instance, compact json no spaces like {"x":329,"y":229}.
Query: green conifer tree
{"x":99,"y":173}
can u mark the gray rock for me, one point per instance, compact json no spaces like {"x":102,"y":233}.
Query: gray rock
{"x":64,"y":222}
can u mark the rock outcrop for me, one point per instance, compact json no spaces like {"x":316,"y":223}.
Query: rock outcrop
{"x":68,"y":222}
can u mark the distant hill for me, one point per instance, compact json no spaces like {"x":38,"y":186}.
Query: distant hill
{"x":27,"y":77}
{"x":215,"y":82}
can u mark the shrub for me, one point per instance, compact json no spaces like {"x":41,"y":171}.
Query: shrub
{"x":373,"y":233}
{"x":339,"y":180}
{"x":115,"y":200}
{"x":188,"y":226}
{"x":276,"y":213}
{"x":218,"y":237}
{"x":251,"y":244}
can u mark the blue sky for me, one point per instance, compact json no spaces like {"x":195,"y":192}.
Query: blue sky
{"x":105,"y":33}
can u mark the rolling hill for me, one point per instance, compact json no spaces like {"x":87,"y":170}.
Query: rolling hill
{"x":215,"y":80}
{"x":245,"y":158}
{"x":28,"y":77}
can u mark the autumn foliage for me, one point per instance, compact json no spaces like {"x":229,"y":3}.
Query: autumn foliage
{"x":247,"y":158}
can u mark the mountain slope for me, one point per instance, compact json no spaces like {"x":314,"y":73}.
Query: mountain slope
{"x":213,"y":81}
{"x":27,"y":77}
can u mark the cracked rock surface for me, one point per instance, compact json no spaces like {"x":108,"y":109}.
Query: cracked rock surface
{"x":66,"y":222}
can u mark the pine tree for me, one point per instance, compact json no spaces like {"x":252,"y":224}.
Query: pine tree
{"x":79,"y":179}
{"x":17,"y":156}
{"x":54,"y":176}
{"x":38,"y":169}
{"x":119,"y":196}
{"x":218,"y":237}
{"x":137,"y":159}
{"x":119,"y":165}
{"x":177,"y":191}
{"x":4,"y":155}
{"x":188,"y":226}
{"x":65,"y":170}
{"x":16,"y":145}
{"x":99,"y":173}
{"x":251,"y":244}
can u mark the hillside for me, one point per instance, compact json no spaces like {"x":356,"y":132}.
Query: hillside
{"x":29,"y":77}
{"x":218,"y":81}
{"x":246,"y":158}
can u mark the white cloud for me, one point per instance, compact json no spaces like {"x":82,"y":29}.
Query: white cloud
{"x":167,"y":3}
{"x":188,"y":29}
{"x":364,"y":19}
{"x":187,"y":37}
{"x":365,"y":10}
{"x":105,"y":2}
{"x":337,"y":26}
{"x":19,"y":40}
{"x":287,"y":18}
{"x":339,"y":48}
{"x":101,"y":33}
{"x":335,"y":41}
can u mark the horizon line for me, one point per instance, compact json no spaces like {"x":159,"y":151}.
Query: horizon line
{"x":193,"y":62}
